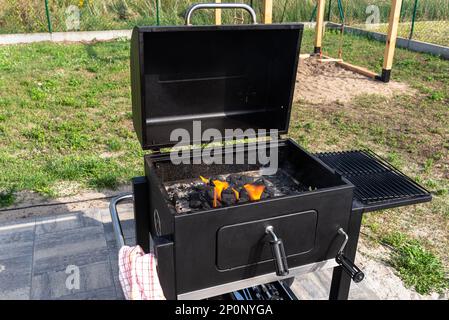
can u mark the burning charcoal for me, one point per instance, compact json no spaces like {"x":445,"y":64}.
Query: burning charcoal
{"x":211,"y":180}
{"x":228,"y":197}
{"x":210,"y":198}
{"x":265,"y":195}
{"x":254,"y":191}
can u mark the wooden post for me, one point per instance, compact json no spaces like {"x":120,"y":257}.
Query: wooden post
{"x":392,"y":35}
{"x":217,"y":14}
{"x":267,"y":11}
{"x":319,"y":26}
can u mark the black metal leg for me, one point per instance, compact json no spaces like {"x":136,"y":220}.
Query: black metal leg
{"x":341,"y":281}
{"x":141,"y":212}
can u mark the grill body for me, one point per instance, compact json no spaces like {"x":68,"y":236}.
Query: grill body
{"x":242,"y":77}
{"x":222,"y":245}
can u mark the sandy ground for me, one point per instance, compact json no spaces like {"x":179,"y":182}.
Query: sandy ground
{"x":325,"y":82}
{"x":31,"y":204}
{"x":382,"y":279}
{"x":316,"y":81}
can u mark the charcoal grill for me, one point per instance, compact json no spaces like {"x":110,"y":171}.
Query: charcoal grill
{"x":243,"y":77}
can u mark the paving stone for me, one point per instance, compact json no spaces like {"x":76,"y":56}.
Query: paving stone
{"x":125,"y":213}
{"x":67,"y":221}
{"x":16,"y":239}
{"x":17,"y":294}
{"x":128,"y":232}
{"x":316,"y":286}
{"x":55,"y":251}
{"x":16,"y":236}
{"x":15,"y":250}
{"x":98,"y":294}
{"x":311,"y":286}
{"x":18,"y":225}
{"x":52,"y":285}
{"x":15,"y":275}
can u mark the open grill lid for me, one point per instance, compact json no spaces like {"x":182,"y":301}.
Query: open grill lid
{"x":229,"y":77}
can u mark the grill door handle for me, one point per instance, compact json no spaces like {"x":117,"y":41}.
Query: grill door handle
{"x":277,"y":249}
{"x":348,"y":266}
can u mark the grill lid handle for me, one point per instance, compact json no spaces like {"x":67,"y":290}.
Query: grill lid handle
{"x":277,"y":248}
{"x":198,"y":6}
{"x":348,"y":266}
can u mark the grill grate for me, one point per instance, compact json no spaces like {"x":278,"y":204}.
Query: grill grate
{"x":375,"y":180}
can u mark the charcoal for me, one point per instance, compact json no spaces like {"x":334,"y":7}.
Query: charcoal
{"x":239,"y":181}
{"x":228,"y":197}
{"x":211,"y":180}
{"x":265,"y":195}
{"x":260,"y":182}
{"x":209,"y":193}
{"x":208,"y":196}
{"x":195,"y":195}
{"x":243,"y":196}
{"x":195,"y":200}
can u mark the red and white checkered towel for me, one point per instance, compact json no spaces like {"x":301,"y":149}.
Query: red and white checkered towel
{"x":138,"y":275}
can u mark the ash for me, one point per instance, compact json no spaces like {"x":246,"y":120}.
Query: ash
{"x":181,"y":192}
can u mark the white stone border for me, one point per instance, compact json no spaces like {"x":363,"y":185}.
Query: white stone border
{"x":78,"y":36}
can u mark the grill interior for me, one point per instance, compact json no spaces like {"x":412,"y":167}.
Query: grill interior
{"x":375,"y":180}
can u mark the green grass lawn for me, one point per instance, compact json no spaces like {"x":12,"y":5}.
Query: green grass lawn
{"x":65,"y":118}
{"x":65,"y":126}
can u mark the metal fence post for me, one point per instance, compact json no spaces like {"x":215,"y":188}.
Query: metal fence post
{"x":47,"y":12}
{"x":341,"y":11}
{"x":329,"y":8}
{"x":412,"y":28}
{"x":313,"y":13}
{"x":158,"y":22}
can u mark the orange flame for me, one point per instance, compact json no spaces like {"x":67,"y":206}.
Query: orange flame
{"x":205,"y":180}
{"x":254,"y":191}
{"x":219,"y":187}
{"x":214,"y":204}
{"x":236,"y":194}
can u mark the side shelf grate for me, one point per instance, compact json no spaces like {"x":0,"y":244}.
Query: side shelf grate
{"x":376,"y":181}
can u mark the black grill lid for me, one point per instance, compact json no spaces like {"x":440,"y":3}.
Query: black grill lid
{"x":228,"y":77}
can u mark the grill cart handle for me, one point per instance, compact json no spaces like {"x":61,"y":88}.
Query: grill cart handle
{"x":277,"y":248}
{"x":219,"y":6}
{"x":348,"y":266}
{"x":118,"y":232}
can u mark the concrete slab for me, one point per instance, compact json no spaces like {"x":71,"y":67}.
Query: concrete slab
{"x":35,"y":253}
{"x":58,"y":284}
{"x":97,"y":294}
{"x":56,"y":250}
{"x":16,"y":236}
{"x":16,"y":249}
{"x":15,"y":276}
{"x":68,"y":221}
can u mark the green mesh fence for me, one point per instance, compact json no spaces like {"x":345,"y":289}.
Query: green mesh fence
{"x":18,"y":16}
{"x":424,"y":20}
